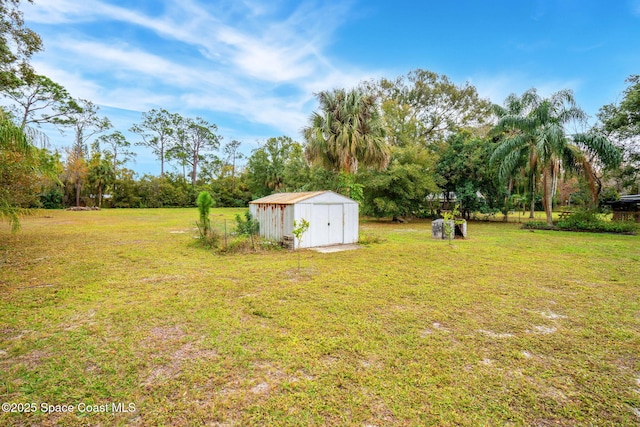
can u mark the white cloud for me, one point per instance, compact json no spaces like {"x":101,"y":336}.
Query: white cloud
{"x":55,"y":12}
{"x":265,"y":61}
{"x":74,"y":82}
{"x":260,"y":63}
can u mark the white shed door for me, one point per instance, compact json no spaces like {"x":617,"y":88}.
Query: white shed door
{"x":326,"y":226}
{"x":336,"y":225}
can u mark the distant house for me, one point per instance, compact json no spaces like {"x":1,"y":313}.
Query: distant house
{"x":627,"y":208}
{"x":333,"y":218}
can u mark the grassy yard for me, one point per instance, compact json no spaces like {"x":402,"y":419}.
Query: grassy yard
{"x":509,"y":327}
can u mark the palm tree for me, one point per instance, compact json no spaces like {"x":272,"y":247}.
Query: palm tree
{"x":586,"y":151}
{"x":348,"y":131}
{"x":519,"y":154}
{"x":100,"y":175}
{"x":14,"y":150}
{"x":537,"y":131}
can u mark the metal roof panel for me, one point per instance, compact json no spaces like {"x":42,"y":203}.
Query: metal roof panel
{"x":287,"y":198}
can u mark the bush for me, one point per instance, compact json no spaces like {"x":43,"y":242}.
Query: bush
{"x":537,"y":225}
{"x":52,"y":199}
{"x":247,"y":226}
{"x":580,"y":220}
{"x":586,"y":220}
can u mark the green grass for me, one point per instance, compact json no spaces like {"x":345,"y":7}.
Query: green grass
{"x":509,"y":327}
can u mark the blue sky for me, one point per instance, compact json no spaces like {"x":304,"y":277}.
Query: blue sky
{"x":252,"y":67}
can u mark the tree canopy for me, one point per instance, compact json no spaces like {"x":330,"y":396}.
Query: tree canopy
{"x":346,"y":131}
{"x":17,"y":45}
{"x":426,"y":107}
{"x":534,"y":134}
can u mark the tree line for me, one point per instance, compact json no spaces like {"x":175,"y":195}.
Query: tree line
{"x":402,"y":147}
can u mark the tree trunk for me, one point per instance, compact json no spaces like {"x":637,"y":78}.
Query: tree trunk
{"x":547,"y":199}
{"x":77,"y":194}
{"x":555,"y":175}
{"x":162,"y":162}
{"x":24,"y":119}
{"x":100,"y":196}
{"x":233,"y":175}
{"x":506,"y":200}
{"x":532,"y":212}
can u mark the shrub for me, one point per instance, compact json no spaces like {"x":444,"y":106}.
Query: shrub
{"x":247,"y":226}
{"x":586,"y":220}
{"x":208,"y":235}
{"x":52,"y":199}
{"x":537,"y":225}
{"x":589,"y":220}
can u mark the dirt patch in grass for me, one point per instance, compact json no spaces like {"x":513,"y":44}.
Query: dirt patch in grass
{"x":162,"y":278}
{"x":31,"y":360}
{"x":186,"y":353}
{"x":78,"y":320}
{"x":165,"y":333}
{"x":305,"y":274}
{"x":495,"y":334}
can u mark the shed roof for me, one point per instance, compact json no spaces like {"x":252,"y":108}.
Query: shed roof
{"x":631,"y":198}
{"x":326,"y":196}
{"x":287,"y":198}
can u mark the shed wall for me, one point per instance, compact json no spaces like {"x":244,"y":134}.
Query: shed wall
{"x":275,"y":220}
{"x":317,"y":213}
{"x":302,"y":211}
{"x":352,"y":223}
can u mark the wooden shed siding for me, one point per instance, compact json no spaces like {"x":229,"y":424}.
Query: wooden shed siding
{"x":276,"y":219}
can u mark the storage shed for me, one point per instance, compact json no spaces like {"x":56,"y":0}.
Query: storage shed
{"x":333,"y":218}
{"x":627,"y":208}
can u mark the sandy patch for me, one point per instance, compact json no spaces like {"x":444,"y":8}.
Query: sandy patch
{"x":544,"y":330}
{"x":552,"y":315}
{"x":495,"y":334}
{"x":261,"y":388}
{"x":171,"y":369}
